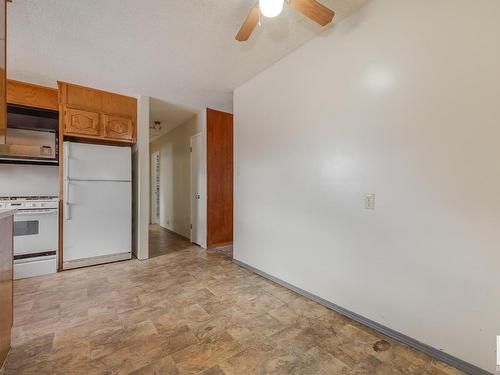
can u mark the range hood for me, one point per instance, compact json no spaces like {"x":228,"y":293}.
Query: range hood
{"x":31,"y":136}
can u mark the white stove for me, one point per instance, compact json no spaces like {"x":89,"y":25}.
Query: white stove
{"x":36,"y":234}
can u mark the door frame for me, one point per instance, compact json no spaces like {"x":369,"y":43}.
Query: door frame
{"x":200,"y":168}
{"x":155,"y":206}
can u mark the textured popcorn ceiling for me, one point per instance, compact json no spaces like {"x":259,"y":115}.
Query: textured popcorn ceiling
{"x":180,"y":52}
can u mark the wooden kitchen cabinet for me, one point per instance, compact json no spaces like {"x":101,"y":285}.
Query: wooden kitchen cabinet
{"x":96,"y":115}
{"x":31,"y":95}
{"x":81,"y":123}
{"x":116,"y":127}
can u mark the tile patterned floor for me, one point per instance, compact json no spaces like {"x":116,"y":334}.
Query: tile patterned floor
{"x":225,"y":250}
{"x":190,"y":312}
{"x":162,"y":241}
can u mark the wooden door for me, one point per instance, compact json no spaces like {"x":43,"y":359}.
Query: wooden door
{"x":219,"y":178}
{"x":80,"y":122}
{"x":116,"y":127}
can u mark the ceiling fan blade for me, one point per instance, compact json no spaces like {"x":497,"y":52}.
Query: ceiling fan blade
{"x":314,"y":10}
{"x":249,"y":25}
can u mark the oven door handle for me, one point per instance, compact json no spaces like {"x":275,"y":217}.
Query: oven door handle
{"x":36,"y":212}
{"x":67,"y":213}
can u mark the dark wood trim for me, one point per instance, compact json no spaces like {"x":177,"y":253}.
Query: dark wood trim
{"x":97,"y":141}
{"x":6,"y":285}
{"x":61,"y":180}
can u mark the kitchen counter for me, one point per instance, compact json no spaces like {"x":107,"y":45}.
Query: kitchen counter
{"x":6,"y":213}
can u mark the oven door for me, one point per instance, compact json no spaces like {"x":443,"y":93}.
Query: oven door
{"x":36,"y":231}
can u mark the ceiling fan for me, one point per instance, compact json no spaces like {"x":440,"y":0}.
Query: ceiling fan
{"x":272,"y":8}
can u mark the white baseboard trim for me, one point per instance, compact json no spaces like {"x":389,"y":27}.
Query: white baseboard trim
{"x":415,"y":344}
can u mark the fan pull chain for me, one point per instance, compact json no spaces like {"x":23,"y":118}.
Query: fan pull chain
{"x":260,"y":15}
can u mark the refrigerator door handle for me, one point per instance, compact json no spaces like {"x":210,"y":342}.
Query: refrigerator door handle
{"x":67,"y":215}
{"x":66,"y":160}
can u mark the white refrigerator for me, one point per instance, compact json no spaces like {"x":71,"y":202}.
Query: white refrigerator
{"x":97,"y":219}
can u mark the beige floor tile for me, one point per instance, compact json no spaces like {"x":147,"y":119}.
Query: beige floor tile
{"x":189,"y":312}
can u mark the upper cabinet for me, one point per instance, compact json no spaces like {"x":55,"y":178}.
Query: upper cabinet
{"x":116,"y":127}
{"x":30,"y":95}
{"x":79,"y":122}
{"x":97,"y":115}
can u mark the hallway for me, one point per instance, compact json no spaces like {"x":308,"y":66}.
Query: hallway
{"x":163,"y":241}
{"x":190,"y":312}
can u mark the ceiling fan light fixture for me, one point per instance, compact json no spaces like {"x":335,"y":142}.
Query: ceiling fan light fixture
{"x":156,"y":126}
{"x":271,"y":8}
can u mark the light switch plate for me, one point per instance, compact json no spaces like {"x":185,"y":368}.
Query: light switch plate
{"x":370,"y":201}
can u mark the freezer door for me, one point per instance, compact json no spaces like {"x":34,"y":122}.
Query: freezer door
{"x":97,"y":162}
{"x":98,"y":221}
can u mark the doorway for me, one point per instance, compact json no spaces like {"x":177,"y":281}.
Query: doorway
{"x":176,"y":154}
{"x":163,"y":240}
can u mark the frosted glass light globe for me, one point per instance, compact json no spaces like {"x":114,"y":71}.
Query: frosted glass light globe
{"x":271,"y":8}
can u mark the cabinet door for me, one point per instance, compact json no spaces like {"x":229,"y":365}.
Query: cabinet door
{"x":80,"y":122}
{"x":31,"y":95}
{"x":118,"y":127}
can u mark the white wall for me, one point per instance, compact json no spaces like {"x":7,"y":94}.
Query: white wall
{"x":175,"y":175}
{"x":140,"y":176}
{"x":28,"y":180}
{"x":402,"y":99}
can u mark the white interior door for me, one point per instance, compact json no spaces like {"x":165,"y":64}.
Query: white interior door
{"x":155,"y":188}
{"x":197,"y":190}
